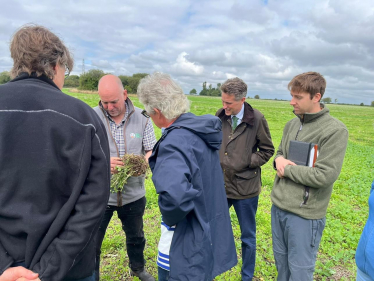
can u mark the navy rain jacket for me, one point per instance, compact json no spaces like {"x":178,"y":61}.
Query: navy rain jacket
{"x":189,"y":180}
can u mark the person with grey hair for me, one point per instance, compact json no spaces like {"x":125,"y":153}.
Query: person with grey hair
{"x":54,"y":166}
{"x":246,"y":146}
{"x":196,"y":240}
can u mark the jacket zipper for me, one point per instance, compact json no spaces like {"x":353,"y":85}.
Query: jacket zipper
{"x":306,"y":190}
{"x":301,"y":127}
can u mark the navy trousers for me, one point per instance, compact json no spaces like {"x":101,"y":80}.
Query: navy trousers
{"x":163,"y":274}
{"x":246,"y":212}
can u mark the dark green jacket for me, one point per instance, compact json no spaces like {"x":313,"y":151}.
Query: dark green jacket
{"x":243,"y":152}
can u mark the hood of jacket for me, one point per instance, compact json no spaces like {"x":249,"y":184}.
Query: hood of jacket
{"x":207,"y":127}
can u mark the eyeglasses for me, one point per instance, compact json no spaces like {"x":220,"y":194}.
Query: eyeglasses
{"x":67,"y":71}
{"x":145,"y":114}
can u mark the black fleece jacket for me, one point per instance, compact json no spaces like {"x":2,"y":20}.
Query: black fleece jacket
{"x":54,"y":179}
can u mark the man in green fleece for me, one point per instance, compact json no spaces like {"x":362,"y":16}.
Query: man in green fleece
{"x":301,"y":194}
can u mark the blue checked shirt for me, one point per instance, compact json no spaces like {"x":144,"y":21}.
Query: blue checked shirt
{"x":149,"y":139}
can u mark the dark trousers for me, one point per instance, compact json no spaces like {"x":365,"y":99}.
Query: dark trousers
{"x":163,"y":274}
{"x":246,"y":212}
{"x":131,"y":216}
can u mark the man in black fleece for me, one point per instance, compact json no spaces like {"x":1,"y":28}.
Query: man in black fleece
{"x":54,"y":166}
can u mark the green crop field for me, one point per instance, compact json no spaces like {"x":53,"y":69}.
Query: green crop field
{"x":346,"y":216}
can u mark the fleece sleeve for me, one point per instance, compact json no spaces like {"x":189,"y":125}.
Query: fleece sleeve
{"x":328,"y":164}
{"x":67,"y":244}
{"x":172,"y":178}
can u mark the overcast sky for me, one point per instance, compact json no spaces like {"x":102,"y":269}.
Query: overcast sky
{"x":265,"y":43}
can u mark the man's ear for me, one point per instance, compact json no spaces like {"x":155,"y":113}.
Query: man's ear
{"x":125,"y":93}
{"x":317,"y":97}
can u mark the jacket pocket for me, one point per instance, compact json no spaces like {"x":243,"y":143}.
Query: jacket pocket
{"x":196,"y":237}
{"x":248,"y":182}
{"x":317,"y":228}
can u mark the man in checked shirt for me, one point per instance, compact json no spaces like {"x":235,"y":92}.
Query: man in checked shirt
{"x":128,"y":132}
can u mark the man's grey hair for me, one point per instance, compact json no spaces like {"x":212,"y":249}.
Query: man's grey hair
{"x":235,"y":86}
{"x":159,"y":91}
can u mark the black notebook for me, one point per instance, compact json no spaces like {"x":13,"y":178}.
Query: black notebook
{"x":303,"y":153}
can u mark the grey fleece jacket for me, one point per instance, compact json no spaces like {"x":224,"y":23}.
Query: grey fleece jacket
{"x":331,"y":135}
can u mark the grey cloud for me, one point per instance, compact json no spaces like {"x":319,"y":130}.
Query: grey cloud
{"x":251,"y":11}
{"x":104,"y":64}
{"x":345,"y":22}
{"x":308,"y":49}
{"x":266,"y":45}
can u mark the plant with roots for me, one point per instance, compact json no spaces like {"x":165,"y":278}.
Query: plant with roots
{"x":133,"y":166}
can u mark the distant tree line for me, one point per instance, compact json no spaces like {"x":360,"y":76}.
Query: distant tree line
{"x":72,"y":81}
{"x":130,"y":83}
{"x":90,"y":80}
{"x":4,"y":77}
{"x":210,"y":91}
{"x":326,"y":100}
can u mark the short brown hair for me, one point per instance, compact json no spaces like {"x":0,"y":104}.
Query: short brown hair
{"x":308,"y":82}
{"x":36,"y":49}
{"x":235,"y":86}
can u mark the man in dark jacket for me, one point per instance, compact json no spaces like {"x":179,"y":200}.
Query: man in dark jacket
{"x":54,"y":166}
{"x":196,"y":241}
{"x":246,"y":146}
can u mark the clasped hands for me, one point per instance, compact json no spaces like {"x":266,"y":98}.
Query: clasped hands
{"x":281,"y":163}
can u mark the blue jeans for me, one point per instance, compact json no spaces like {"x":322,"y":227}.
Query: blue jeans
{"x":246,"y":212}
{"x":131,"y":216}
{"x":295,"y":244}
{"x":163,"y":274}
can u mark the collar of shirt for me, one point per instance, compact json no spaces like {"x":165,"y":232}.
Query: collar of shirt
{"x":124,"y":117}
{"x":239,"y":115}
{"x":118,"y":131}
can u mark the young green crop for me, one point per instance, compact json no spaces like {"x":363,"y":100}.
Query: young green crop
{"x":133,"y":166}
